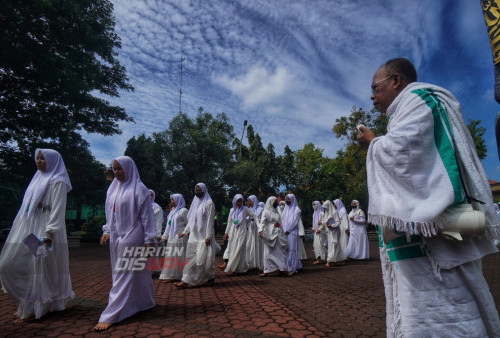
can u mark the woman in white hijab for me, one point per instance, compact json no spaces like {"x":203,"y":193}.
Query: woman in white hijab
{"x":344,"y":224}
{"x":331,"y":221}
{"x":236,"y":232}
{"x":175,"y":248}
{"x":358,"y":246}
{"x":274,"y":238}
{"x":290,"y":219}
{"x":320,"y":234}
{"x":255,"y":247}
{"x":129,"y":227}
{"x":201,"y":246}
{"x":40,"y":283}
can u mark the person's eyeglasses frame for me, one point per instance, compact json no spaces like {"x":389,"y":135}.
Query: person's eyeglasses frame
{"x":376,"y":84}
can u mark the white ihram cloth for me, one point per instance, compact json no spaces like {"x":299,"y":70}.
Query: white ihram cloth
{"x":255,"y":247}
{"x":40,"y":284}
{"x":175,"y":253}
{"x":320,"y":242}
{"x":290,"y":218}
{"x":129,"y":224}
{"x":237,"y":226}
{"x":274,"y":238}
{"x":358,"y":246}
{"x":344,"y":223}
{"x":331,"y":222}
{"x":200,"y":256}
{"x":442,"y":292}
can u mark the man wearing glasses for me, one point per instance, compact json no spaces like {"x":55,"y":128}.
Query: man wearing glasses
{"x":426,"y":163}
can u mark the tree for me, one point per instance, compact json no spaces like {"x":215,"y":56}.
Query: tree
{"x":86,"y":174}
{"x":196,"y":150}
{"x":477,"y":134}
{"x":146,"y":154}
{"x":54,"y":56}
{"x":286,"y":172}
{"x":351,"y":161}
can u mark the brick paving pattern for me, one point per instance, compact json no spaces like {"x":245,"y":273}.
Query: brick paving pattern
{"x":344,"y":301}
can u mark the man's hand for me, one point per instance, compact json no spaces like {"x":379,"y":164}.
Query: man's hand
{"x":365,"y":137}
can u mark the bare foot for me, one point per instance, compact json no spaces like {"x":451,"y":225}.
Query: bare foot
{"x":316,"y":261}
{"x":291,"y":273}
{"x":327,"y":264}
{"x":101,"y":326}
{"x":168,"y":280}
{"x":181,"y":285}
{"x":222,"y":266}
{"x":23,"y":320}
{"x":263,"y":275}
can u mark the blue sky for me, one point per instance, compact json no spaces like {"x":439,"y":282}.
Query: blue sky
{"x":292,"y":67}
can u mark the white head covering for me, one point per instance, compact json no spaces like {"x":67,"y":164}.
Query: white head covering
{"x":172,"y":216}
{"x":269,"y":204}
{"x":357,"y":205}
{"x":255,"y":202}
{"x":356,"y":209}
{"x":262,"y":205}
{"x":288,"y":213}
{"x":328,"y":209}
{"x":197,"y":208}
{"x":237,"y":212}
{"x":340,"y":207}
{"x":125,"y":198}
{"x":317,"y":214}
{"x":55,"y":172}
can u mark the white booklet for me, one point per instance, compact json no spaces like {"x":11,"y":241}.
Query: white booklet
{"x":33,"y":243}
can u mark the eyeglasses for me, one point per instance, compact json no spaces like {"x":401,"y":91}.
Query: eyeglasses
{"x":379,"y":82}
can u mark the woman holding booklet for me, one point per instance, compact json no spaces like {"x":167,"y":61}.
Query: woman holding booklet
{"x":39,"y":279}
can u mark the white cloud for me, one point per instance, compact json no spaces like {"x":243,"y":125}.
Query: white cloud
{"x":258,"y":86}
{"x":289,"y":67}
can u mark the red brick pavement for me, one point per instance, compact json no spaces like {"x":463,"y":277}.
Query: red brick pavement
{"x":340,"y":301}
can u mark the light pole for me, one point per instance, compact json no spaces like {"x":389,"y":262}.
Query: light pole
{"x":242,"y":133}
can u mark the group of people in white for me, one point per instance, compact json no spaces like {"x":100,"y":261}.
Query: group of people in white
{"x":269,"y":237}
{"x":339,"y":236}
{"x":264,"y":236}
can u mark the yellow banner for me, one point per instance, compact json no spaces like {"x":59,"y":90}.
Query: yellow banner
{"x":491,"y":11}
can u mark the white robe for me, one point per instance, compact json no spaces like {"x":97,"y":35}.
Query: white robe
{"x":433,"y":286}
{"x":335,"y":253}
{"x":344,"y":236}
{"x":132,"y":291}
{"x":237,"y":243}
{"x":275,"y":242}
{"x":358,"y":246}
{"x":290,"y":218}
{"x":158,"y":215}
{"x":302,"y":249}
{"x":200,"y":256}
{"x":255,"y":247}
{"x":175,"y":248}
{"x":41,"y":284}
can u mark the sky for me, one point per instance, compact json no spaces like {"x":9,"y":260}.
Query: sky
{"x":292,"y":67}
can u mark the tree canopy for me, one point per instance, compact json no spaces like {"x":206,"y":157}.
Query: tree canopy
{"x":54,"y":57}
